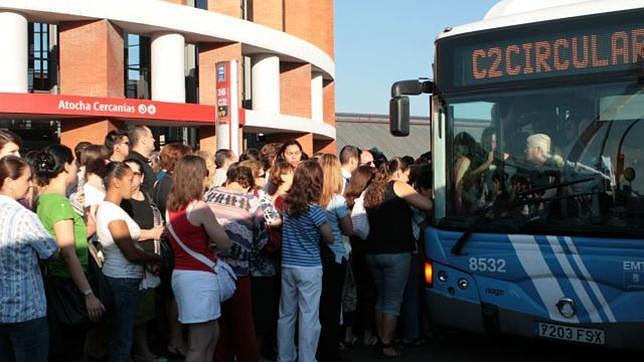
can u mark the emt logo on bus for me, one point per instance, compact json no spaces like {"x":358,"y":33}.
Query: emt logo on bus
{"x":552,"y":55}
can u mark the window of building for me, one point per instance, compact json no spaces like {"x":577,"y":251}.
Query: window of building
{"x":247,"y":9}
{"x":191,"y":73}
{"x":201,"y":4}
{"x":137,"y":66}
{"x":40,"y":54}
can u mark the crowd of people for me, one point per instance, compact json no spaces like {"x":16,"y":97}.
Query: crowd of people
{"x":109,"y":251}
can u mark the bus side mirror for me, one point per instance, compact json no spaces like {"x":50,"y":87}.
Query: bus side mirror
{"x":399,"y":103}
{"x":399,"y":116}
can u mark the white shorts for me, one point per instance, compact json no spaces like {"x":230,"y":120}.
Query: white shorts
{"x":197,"y":296}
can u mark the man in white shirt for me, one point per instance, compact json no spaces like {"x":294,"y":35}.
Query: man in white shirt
{"x":349,"y":160}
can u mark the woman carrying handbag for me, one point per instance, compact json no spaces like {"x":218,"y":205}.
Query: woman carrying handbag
{"x":194,"y":228}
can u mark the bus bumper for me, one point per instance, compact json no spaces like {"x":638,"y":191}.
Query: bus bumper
{"x":485,"y":318}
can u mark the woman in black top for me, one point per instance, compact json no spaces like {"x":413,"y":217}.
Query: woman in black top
{"x":140,"y":207}
{"x":390,"y":242}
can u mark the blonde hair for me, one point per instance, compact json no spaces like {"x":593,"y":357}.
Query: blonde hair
{"x":332,"y":178}
{"x":541,"y":141}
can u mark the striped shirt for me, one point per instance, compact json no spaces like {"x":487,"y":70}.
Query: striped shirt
{"x":301,"y":238}
{"x":23,"y":240}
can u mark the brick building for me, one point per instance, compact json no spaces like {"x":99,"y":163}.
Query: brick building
{"x":73,"y":70}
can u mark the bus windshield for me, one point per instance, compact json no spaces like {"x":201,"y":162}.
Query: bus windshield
{"x":564,"y":160}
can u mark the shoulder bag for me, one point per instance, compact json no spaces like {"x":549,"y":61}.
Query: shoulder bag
{"x":226,"y":278}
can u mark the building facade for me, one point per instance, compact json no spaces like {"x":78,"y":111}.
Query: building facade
{"x":73,"y":70}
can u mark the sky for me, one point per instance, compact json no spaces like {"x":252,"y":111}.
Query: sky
{"x":378,"y":42}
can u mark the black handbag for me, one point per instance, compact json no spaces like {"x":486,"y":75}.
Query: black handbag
{"x":68,"y":303}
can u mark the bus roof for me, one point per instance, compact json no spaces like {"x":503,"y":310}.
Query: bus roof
{"x":516,"y":12}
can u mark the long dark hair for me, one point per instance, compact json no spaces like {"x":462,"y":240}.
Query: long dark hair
{"x":11,"y":167}
{"x":50,"y":162}
{"x":360,"y":179}
{"x":188,"y":182}
{"x":306,"y":189}
{"x":94,"y":158}
{"x":275,"y":176}
{"x":242,"y":175}
{"x":376,"y":190}
{"x":280,"y":154}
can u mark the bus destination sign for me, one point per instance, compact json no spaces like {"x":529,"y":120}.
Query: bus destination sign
{"x":578,"y":52}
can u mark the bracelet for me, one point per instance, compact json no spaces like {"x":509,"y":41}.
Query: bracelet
{"x":88,"y":292}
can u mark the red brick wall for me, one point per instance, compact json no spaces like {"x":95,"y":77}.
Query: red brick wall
{"x":91,"y":59}
{"x":321,"y":15}
{"x":226,"y":7}
{"x":295,"y":89}
{"x":297,"y":18}
{"x":269,"y":13}
{"x":305,"y":139}
{"x":209,"y":55}
{"x":207,"y":138}
{"x":329,"y":102}
{"x":90,"y":130}
{"x":324,"y":146}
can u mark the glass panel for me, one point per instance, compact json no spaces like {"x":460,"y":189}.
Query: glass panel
{"x":201,"y":4}
{"x":569,"y":159}
{"x":137,"y":70}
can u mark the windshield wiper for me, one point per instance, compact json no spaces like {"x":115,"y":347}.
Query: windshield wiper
{"x":502,"y":205}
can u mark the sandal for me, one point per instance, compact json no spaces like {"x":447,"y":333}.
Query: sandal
{"x":416,"y":342}
{"x":372,"y":341}
{"x":393,"y":353}
{"x":350,"y":343}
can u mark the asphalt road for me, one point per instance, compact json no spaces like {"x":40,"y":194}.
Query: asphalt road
{"x":451,"y":346}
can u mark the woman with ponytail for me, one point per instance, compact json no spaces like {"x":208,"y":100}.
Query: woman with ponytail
{"x":390,"y":242}
{"x":55,"y":168}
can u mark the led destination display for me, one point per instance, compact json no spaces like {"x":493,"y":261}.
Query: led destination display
{"x":583,"y":51}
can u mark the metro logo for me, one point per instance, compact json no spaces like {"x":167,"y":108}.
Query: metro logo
{"x":562,"y":54}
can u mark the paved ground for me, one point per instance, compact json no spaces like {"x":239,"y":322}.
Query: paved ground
{"x":457,"y":347}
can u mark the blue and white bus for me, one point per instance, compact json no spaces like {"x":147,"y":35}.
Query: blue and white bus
{"x":539,"y":211}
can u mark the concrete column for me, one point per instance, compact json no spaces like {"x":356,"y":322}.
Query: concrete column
{"x":14,"y":44}
{"x":168,"y":65}
{"x":266,"y":83}
{"x":317,"y":97}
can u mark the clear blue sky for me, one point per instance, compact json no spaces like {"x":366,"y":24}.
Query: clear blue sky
{"x":378,"y":42}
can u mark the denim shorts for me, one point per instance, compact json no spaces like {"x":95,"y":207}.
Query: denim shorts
{"x":390,"y":273}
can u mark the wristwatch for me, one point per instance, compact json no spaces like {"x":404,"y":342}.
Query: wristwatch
{"x":88,"y":292}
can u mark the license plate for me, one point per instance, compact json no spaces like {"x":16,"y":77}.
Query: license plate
{"x":571,"y":334}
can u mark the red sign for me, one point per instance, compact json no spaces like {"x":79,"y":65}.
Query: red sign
{"x":28,"y":105}
{"x":222,"y":85}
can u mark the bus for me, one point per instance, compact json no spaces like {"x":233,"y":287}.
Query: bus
{"x":538,"y":226}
